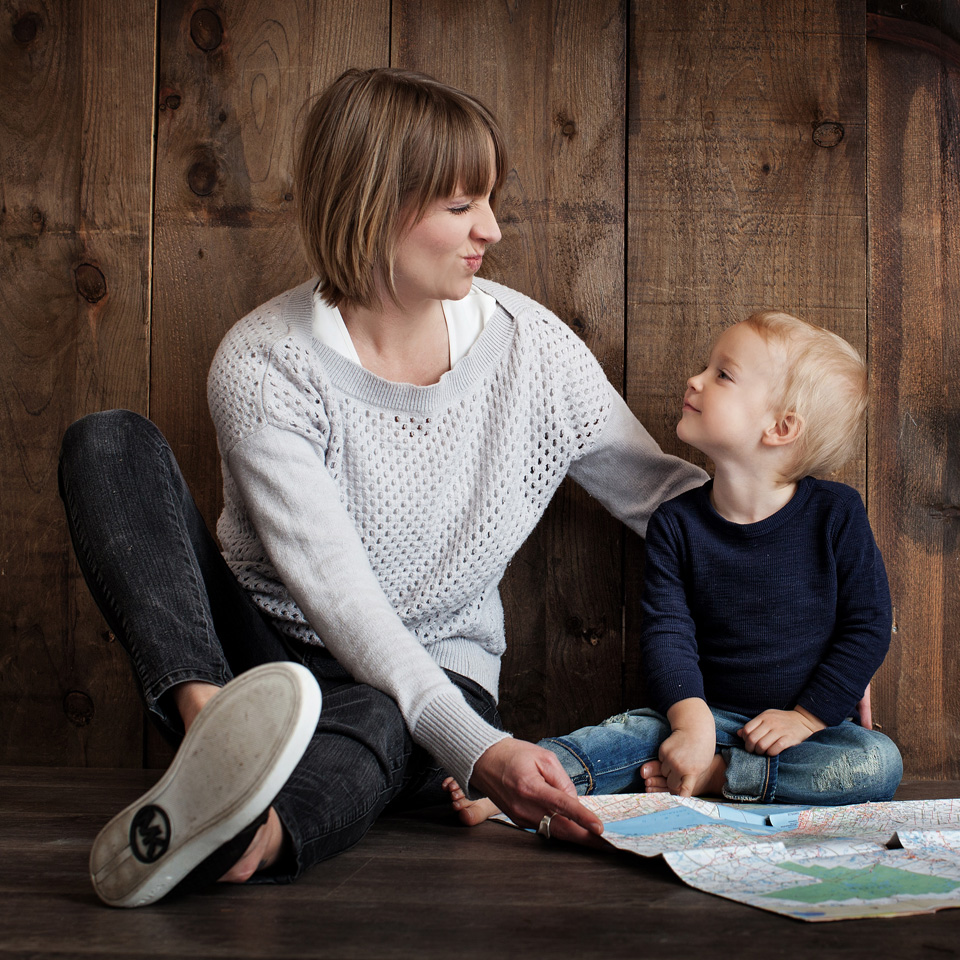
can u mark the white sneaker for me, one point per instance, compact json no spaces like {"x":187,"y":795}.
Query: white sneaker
{"x":233,"y":761}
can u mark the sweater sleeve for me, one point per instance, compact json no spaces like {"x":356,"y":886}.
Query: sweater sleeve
{"x":293,"y":503}
{"x":863,"y":621}
{"x":668,"y":638}
{"x":626,"y":470}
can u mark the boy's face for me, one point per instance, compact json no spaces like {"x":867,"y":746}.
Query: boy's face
{"x":727,"y":407}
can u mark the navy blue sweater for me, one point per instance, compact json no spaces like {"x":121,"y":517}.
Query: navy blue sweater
{"x":791,"y":611}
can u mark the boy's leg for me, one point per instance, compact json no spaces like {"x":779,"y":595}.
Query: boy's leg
{"x":607,"y":758}
{"x":838,"y":765}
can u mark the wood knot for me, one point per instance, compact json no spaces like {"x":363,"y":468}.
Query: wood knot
{"x":567,"y":126}
{"x":827,"y":133}
{"x":79,"y":708}
{"x":25,"y":30}
{"x":91,"y":283}
{"x":579,"y":326}
{"x":171,"y":101}
{"x":203,"y":175}
{"x":206,"y":30}
{"x":586,"y":632}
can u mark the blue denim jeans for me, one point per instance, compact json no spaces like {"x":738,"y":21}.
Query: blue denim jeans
{"x":167,"y":594}
{"x":838,"y":765}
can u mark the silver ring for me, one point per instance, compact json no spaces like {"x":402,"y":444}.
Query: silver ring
{"x":544,"y":829}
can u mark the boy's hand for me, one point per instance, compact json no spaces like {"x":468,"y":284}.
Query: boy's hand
{"x":772,"y":731}
{"x":686,"y":756}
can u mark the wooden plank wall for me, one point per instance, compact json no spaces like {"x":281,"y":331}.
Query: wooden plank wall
{"x":675,"y":165}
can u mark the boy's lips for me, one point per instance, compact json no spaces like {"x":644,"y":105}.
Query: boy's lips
{"x":687,"y":405}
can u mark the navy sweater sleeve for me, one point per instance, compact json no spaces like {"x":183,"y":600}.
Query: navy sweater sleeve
{"x":861,"y":633}
{"x":668,"y":640}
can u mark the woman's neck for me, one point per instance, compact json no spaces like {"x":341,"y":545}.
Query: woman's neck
{"x":748,"y":496}
{"x":405,"y":345}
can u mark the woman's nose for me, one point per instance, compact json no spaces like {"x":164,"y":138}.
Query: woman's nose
{"x":486,"y":227}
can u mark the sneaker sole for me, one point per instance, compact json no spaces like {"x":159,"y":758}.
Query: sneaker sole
{"x":232,"y":763}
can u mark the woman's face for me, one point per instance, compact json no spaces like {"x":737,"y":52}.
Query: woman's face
{"x":440,"y":254}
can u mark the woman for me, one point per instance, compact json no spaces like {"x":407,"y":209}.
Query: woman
{"x":390,"y":434}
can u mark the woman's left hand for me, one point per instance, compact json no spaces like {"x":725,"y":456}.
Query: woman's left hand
{"x":527,"y":782}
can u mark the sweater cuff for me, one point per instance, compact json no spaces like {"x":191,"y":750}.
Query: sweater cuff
{"x":829,"y":701}
{"x":671,"y":689}
{"x":455,"y":735}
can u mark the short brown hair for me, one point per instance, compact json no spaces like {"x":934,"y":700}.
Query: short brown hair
{"x":824,"y":384}
{"x":378,"y":147}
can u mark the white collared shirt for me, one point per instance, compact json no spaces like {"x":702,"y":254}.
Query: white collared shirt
{"x":465,"y":321}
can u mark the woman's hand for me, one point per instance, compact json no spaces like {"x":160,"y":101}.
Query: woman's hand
{"x":526,"y":782}
{"x":771,"y":732}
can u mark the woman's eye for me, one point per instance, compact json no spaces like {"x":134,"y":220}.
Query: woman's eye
{"x":465,"y":208}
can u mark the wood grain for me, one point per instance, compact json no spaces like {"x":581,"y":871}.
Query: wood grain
{"x":418,"y":884}
{"x":554,"y":75}
{"x":233,"y":80}
{"x":76,"y":156}
{"x":914,"y":480}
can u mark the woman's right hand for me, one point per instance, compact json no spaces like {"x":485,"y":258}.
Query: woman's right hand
{"x":526,"y":782}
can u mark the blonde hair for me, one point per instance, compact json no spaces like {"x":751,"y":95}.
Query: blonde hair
{"x":824,"y":385}
{"x":378,"y":147}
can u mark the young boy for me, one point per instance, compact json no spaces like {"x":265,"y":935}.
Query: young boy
{"x":766,"y":607}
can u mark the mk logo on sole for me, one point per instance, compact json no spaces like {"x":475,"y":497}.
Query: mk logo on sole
{"x":149,"y":834}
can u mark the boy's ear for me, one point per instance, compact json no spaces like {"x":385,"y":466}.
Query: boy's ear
{"x":783,"y":431}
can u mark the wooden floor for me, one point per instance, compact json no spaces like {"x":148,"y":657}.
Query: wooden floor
{"x":420,"y":886}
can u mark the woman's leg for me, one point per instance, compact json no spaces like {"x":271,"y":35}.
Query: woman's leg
{"x":360,"y":761}
{"x":151,"y":564}
{"x":607,"y":758}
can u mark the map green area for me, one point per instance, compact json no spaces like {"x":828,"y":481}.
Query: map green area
{"x":810,"y":863}
{"x":868,"y":883}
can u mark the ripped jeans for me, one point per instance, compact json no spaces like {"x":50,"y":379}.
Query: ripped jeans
{"x":838,"y":765}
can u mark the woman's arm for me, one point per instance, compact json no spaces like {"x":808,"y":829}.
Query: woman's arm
{"x":628,"y":472}
{"x":311,"y":541}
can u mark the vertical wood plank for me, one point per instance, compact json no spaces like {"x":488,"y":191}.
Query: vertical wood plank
{"x":234,"y":76}
{"x":554,"y":75}
{"x":76,"y":84}
{"x":746,"y":190}
{"x":914,"y":477}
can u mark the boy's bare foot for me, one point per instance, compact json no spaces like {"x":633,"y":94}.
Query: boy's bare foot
{"x":470,"y":812}
{"x":653,"y":780}
{"x":709,"y":784}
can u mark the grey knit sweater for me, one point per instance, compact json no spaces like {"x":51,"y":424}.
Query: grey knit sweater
{"x":378,"y":518}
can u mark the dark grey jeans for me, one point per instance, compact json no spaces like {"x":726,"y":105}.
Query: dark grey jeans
{"x":158,"y":577}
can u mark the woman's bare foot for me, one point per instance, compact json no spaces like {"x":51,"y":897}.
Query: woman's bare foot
{"x":470,"y":812}
{"x":191,"y":697}
{"x":263,"y":852}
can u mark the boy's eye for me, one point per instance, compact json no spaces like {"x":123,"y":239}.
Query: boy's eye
{"x":723,"y":375}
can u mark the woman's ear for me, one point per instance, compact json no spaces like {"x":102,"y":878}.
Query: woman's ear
{"x":783,"y":431}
